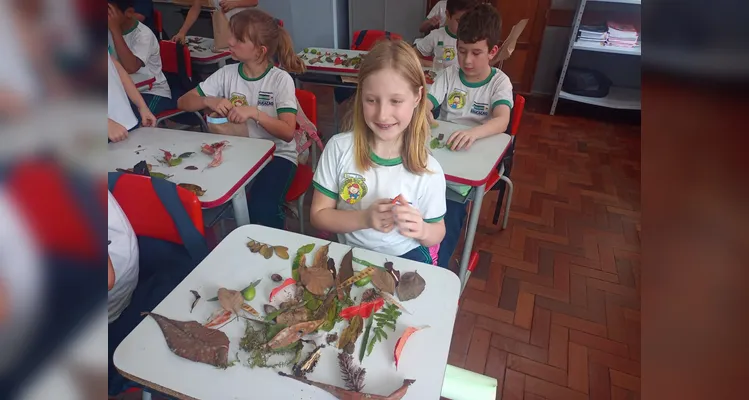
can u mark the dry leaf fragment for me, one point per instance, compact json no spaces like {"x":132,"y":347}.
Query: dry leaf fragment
{"x":266,"y":251}
{"x":191,"y":167}
{"x":190,"y":340}
{"x":230,"y":300}
{"x":293,"y":333}
{"x":282,"y":252}
{"x":341,"y":393}
{"x":390,"y":299}
{"x":352,"y":374}
{"x":382,"y":280}
{"x":351,"y":332}
{"x":194,"y":302}
{"x":193,"y":188}
{"x":315,"y":279}
{"x":411,"y":285}
{"x":321,"y":257}
{"x":269,"y":309}
{"x":218,"y":318}
{"x":293,"y":316}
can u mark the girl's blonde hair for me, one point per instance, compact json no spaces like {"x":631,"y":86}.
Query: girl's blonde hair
{"x":263,"y":30}
{"x":400,"y":57}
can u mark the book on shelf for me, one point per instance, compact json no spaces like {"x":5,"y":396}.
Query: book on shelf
{"x":622,"y":31}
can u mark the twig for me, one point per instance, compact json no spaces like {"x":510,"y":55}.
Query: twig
{"x":344,"y":394}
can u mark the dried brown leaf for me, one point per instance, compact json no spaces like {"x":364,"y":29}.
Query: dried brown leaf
{"x":382,"y":280}
{"x":321,"y":257}
{"x":293,"y":333}
{"x":230,"y":300}
{"x":293,"y":316}
{"x":345,"y":271}
{"x":351,"y":332}
{"x":316,"y":280}
{"x":411,"y":285}
{"x":191,"y":340}
{"x":266,"y":251}
{"x":199,"y":191}
{"x":282,"y":252}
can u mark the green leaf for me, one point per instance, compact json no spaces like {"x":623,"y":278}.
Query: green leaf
{"x":186,"y":155}
{"x":273,"y":330}
{"x":175,"y":161}
{"x":381,"y":333}
{"x":370,"y":346}
{"x":366,"y":263}
{"x":306,"y":249}
{"x":434,"y":144}
{"x":365,"y":339}
{"x":313,"y":303}
{"x":390,"y":325}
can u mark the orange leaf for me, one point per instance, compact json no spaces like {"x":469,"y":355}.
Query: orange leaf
{"x":401,"y":343}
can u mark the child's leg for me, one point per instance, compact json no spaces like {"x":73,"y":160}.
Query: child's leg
{"x":158,"y":104}
{"x":267,"y":195}
{"x":418,"y":254}
{"x":455,"y":217}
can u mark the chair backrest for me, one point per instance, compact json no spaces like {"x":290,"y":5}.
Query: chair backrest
{"x":146,"y":212}
{"x":176,"y":65}
{"x":308,"y":102}
{"x":158,"y":22}
{"x":365,"y":39}
{"x":517,"y":114}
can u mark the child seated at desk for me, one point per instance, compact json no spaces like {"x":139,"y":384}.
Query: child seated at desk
{"x":377,"y":186}
{"x":261,"y":96}
{"x":435,"y":19}
{"x":445,"y":36}
{"x":475,"y":94}
{"x":138,"y":50}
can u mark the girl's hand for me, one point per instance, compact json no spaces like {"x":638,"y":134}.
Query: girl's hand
{"x":240,"y":115}
{"x":219,"y":104}
{"x":409,"y":220}
{"x":147,"y":117}
{"x":379,"y":216}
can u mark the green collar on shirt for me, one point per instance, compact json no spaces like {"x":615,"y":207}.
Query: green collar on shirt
{"x":476,"y":84}
{"x":247,"y":78}
{"x":385,"y":162}
{"x":452,"y":35}
{"x":132,"y":28}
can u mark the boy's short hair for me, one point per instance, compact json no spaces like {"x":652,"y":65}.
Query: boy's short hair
{"x":456,"y":6}
{"x":481,"y":22}
{"x":123,"y":5}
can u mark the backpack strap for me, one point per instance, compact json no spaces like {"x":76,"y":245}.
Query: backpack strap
{"x":360,"y":38}
{"x":193,"y":241}
{"x":184,"y":80}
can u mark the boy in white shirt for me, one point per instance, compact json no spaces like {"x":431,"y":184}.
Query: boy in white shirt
{"x":435,"y":19}
{"x":445,"y":36}
{"x":472,"y":93}
{"x":123,"y":259}
{"x":137,"y":49}
{"x":121,"y":118}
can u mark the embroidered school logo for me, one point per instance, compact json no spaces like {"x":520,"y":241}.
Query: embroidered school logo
{"x":354,"y":188}
{"x":238,"y":99}
{"x":480,"y":108}
{"x":265,"y":98}
{"x":456,"y":99}
{"x":448,"y":54}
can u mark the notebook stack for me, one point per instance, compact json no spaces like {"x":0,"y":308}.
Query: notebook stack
{"x":622,"y":35}
{"x":592,"y":33}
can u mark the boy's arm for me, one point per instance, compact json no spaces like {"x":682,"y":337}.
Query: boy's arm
{"x":192,"y":101}
{"x":129,"y":61}
{"x":132,"y":92}
{"x":429,"y":24}
{"x":425,"y":48}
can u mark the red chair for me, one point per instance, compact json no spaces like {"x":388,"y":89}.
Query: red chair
{"x":158,"y":22}
{"x":147,"y":214}
{"x":179,"y":76}
{"x":363,"y":40}
{"x":303,"y":176}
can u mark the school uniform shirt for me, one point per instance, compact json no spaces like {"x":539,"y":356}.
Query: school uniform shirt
{"x":118,"y":105}
{"x":123,"y":250}
{"x":469,"y":103}
{"x":273,"y":93}
{"x":439,"y":9}
{"x":144,"y":45}
{"x":428,"y":45}
{"x":338,"y":178}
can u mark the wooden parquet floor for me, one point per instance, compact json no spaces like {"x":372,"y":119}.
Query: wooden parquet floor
{"x":553,"y":310}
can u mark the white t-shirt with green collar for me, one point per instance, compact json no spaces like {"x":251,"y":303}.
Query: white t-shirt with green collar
{"x":143,"y":44}
{"x":273,"y":93}
{"x":439,"y":9}
{"x":428,"y":45}
{"x":338,"y":178}
{"x":469,"y":103}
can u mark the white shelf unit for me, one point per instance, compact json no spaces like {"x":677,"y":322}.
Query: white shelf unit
{"x":618,"y":97}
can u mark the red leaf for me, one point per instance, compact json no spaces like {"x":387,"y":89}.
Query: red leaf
{"x":167,"y":155}
{"x":363,"y":310}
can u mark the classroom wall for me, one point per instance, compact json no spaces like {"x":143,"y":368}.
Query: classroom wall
{"x":310,"y":22}
{"x":622,"y":70}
